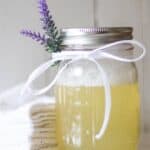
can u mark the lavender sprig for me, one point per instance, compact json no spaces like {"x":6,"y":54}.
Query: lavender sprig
{"x":55,"y":39}
{"x":46,"y":18}
{"x":52,"y":39}
{"x":35,"y":36}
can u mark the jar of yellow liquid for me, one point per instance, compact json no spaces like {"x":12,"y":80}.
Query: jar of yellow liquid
{"x":80,"y":98}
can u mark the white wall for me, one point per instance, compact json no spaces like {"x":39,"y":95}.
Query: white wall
{"x":146,"y":68}
{"x":18,"y":55}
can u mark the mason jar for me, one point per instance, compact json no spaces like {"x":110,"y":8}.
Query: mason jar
{"x":80,"y":97}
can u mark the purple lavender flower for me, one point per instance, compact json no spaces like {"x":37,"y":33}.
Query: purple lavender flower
{"x":52,"y":39}
{"x":46,"y":18}
{"x":35,"y":36}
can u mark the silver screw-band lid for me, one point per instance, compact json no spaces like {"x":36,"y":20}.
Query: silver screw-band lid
{"x":92,"y":37}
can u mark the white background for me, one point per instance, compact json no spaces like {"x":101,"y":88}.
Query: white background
{"x":19,"y":55}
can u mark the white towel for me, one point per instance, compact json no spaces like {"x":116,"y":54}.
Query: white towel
{"x":26,"y":126}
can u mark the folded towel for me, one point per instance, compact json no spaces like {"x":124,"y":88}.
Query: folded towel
{"x":27,"y":126}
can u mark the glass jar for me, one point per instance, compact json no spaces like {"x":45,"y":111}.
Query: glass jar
{"x":80,"y":95}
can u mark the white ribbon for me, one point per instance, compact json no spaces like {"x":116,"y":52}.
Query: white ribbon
{"x":74,"y":56}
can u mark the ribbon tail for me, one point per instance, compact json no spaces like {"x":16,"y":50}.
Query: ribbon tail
{"x":107,"y":91}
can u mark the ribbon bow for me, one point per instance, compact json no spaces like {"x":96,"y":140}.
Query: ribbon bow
{"x":74,"y":56}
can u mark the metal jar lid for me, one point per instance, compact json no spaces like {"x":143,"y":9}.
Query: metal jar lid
{"x":77,"y":38}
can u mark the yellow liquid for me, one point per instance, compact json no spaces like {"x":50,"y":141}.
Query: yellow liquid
{"x":80,"y":112}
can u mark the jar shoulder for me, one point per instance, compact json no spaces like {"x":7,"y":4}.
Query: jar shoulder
{"x":120,"y":72}
{"x":84,"y":72}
